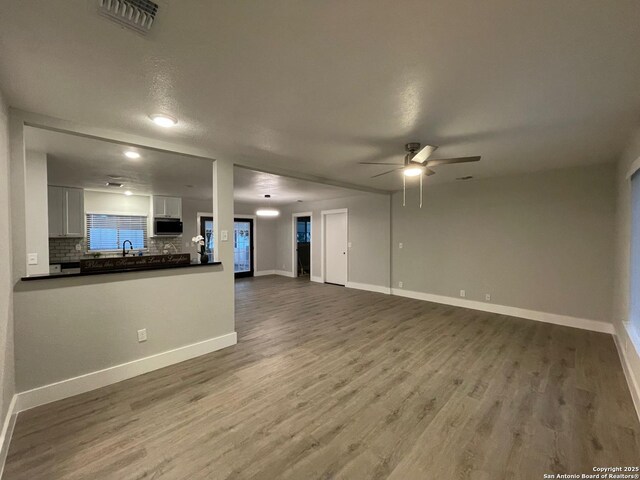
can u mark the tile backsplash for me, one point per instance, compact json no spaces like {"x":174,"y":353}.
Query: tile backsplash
{"x":63,"y":250}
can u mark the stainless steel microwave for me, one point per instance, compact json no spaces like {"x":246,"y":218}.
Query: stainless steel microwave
{"x":167,"y":226}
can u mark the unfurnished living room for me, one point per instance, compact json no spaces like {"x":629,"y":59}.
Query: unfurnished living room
{"x":319,"y":239}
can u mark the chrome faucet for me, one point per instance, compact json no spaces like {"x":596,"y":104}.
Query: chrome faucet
{"x":124,"y":252}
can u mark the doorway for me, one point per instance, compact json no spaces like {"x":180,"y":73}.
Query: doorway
{"x":243,"y":247}
{"x":334,"y":246}
{"x":302,"y":245}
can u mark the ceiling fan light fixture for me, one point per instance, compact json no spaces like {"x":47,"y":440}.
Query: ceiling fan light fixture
{"x":412,"y":171}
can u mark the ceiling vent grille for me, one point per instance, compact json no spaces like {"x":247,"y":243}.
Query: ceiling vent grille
{"x":138,"y":15}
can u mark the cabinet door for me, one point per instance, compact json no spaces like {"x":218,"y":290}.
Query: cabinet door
{"x":74,"y":212}
{"x":56,"y":208}
{"x":173,"y":207}
{"x":159,"y":209}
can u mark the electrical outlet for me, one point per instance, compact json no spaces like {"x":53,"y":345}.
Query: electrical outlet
{"x":78,"y":247}
{"x":142,"y":335}
{"x":400,"y":245}
{"x":400,"y":284}
{"x":349,"y":245}
{"x":463,"y":293}
{"x":487,"y":297}
{"x":32,"y":259}
{"x":224,"y":235}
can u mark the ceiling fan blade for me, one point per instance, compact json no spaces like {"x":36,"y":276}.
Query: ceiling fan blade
{"x":428,"y":172}
{"x":390,"y":171}
{"x":447,"y":161}
{"x":380,"y":163}
{"x":423,"y":154}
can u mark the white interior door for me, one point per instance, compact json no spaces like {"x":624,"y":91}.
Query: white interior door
{"x":335,"y":254}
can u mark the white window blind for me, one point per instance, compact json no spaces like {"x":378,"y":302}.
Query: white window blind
{"x":107,"y":232}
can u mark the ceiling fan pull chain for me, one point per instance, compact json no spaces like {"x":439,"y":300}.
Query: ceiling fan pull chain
{"x":420,"y":191}
{"x":404,"y":191}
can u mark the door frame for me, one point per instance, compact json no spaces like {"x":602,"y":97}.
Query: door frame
{"x":323,"y":227}
{"x":252,"y":250}
{"x":294,"y":244}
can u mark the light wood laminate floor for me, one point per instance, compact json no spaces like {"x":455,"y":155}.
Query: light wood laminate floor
{"x":328,"y":382}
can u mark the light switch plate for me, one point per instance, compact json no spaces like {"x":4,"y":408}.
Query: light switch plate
{"x":349,"y":245}
{"x":142,"y":335}
{"x":32,"y":258}
{"x":224,"y":235}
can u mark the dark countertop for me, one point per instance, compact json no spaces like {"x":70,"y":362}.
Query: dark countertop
{"x":66,"y":265}
{"x":46,"y":276}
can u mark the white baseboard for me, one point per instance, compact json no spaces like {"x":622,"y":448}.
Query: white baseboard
{"x":622,"y":346}
{"x":565,"y":320}
{"x":101,"y":378}
{"x":316,"y":279}
{"x":284,"y":273}
{"x":262,"y":273}
{"x":7,"y":432}
{"x":368,"y":287}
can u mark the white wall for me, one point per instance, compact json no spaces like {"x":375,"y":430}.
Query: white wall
{"x":70,"y":327}
{"x":628,"y":343}
{"x":368,"y":232}
{"x":116,"y":203}
{"x":37,"y":222}
{"x":541,"y":241}
{"x":75,"y":326}
{"x":6,"y":283}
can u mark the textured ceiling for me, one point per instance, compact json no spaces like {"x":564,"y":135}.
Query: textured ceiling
{"x":76,"y":161}
{"x":315,"y":87}
{"x":250,"y":186}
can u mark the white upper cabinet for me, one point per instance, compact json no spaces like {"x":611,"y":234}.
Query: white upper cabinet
{"x":56,"y":217}
{"x":167,"y":207}
{"x":66,"y":212}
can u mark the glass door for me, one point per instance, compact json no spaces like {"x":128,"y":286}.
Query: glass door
{"x":206,"y":230}
{"x":243,"y":247}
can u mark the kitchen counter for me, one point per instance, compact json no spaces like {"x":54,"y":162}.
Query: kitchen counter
{"x":47,"y":276}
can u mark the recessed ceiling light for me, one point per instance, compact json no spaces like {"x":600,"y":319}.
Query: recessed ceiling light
{"x":163,"y":120}
{"x":131,"y":154}
{"x":128,"y":192}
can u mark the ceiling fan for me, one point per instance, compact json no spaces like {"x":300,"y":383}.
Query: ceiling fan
{"x":416,"y":162}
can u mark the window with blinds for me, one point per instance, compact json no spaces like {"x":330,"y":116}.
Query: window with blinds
{"x":107,"y":232}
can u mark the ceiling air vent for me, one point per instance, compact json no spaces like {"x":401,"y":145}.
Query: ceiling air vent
{"x":138,"y":15}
